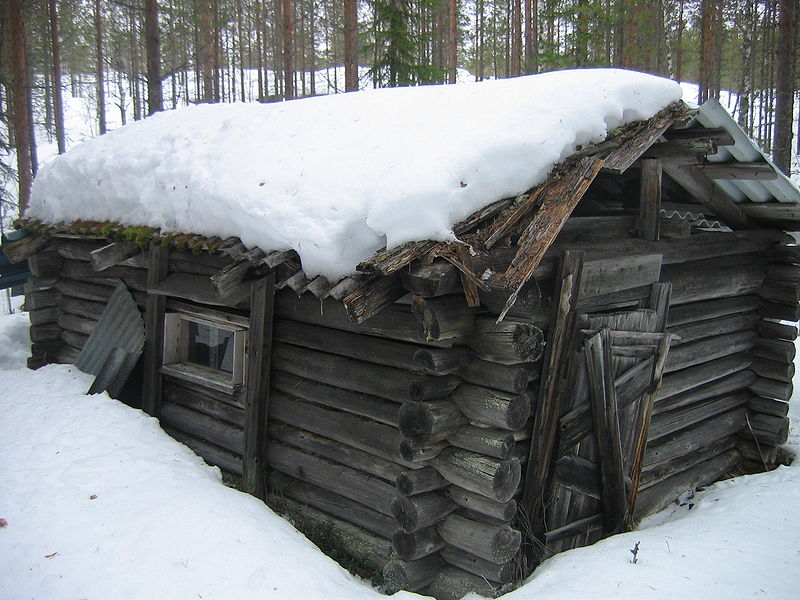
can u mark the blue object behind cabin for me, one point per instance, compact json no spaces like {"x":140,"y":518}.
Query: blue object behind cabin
{"x":12,"y":275}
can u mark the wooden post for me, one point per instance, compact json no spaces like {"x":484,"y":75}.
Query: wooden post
{"x":154,"y":332}
{"x":650,"y":200}
{"x":551,"y":388}
{"x":256,"y":403}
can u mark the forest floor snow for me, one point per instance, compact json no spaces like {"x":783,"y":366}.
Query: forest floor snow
{"x":97,"y":502}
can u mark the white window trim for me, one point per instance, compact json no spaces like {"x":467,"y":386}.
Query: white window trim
{"x":176,"y":351}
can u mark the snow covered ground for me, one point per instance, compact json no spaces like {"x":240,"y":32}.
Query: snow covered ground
{"x":97,"y":502}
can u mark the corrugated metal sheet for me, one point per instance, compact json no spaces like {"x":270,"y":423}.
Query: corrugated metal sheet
{"x":115,"y":345}
{"x":713,"y":115}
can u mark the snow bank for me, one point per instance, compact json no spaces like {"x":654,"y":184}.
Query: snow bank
{"x":338,"y":177}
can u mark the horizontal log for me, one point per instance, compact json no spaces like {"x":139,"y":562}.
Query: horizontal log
{"x":202,"y":426}
{"x":502,"y":573}
{"x":654,"y":474}
{"x":453,"y":583}
{"x":419,"y":481}
{"x":728,"y":384}
{"x":413,"y":451}
{"x":423,"y":510}
{"x":355,"y":541}
{"x":347,"y":373}
{"x":441,"y":360}
{"x":204,"y":400}
{"x":443,"y":318}
{"x":583,"y":527}
{"x":112,"y":254}
{"x":738,"y":171}
{"x":705,"y":350}
{"x":719,"y":136}
{"x":715,"y":278}
{"x":490,"y":477}
{"x":494,"y":408}
{"x":26,"y":247}
{"x":692,"y":332}
{"x":693,"y":438}
{"x":46,"y":350}
{"x":783,"y":272}
{"x":767,"y":429}
{"x":502,"y":511}
{"x":79,"y":249}
{"x":784,"y":253}
{"x":211,"y":453}
{"x":768,"y":406}
{"x":417,"y":544}
{"x":83,"y":308}
{"x":84,"y":290}
{"x":778,"y":350}
{"x":507,"y":378}
{"x":41,"y":299}
{"x":658,"y":496}
{"x":360,"y":433}
{"x":756,"y":457}
{"x":439,"y":278}
{"x":784,"y":312}
{"x":394,"y":322}
{"x":351,"y":345}
{"x":496,"y":543}
{"x":45,"y":332}
{"x":777,"y":331}
{"x":579,"y":474}
{"x":76,"y":323}
{"x":45,"y":263}
{"x":769,"y":388}
{"x":498,"y":443}
{"x":344,"y":481}
{"x":410,"y":575}
{"x":609,"y":275}
{"x":692,"y":377}
{"x":782,"y":292}
{"x":429,"y":422}
{"x":335,"y":451}
{"x":509,"y":341}
{"x":378,"y":409}
{"x":332,"y":504}
{"x":44,"y":315}
{"x":669,"y":422}
{"x":528,"y":304}
{"x":67,"y":355}
{"x":711,"y":309}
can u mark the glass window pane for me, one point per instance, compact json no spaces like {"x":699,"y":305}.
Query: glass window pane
{"x":210,"y":347}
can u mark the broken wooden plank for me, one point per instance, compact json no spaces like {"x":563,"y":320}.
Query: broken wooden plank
{"x":113,"y":254}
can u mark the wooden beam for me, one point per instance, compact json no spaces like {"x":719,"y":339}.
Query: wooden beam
{"x":739,"y":171}
{"x":650,"y":200}
{"x":372,"y":297}
{"x":718,"y":135}
{"x":700,"y":187}
{"x":112,"y":254}
{"x":256,"y":400}
{"x":154,"y":332}
{"x":24,"y":248}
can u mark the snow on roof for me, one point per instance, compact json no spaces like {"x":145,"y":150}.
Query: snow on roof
{"x":338,"y":177}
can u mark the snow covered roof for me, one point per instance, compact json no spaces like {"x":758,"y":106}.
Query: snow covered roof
{"x":337,"y":178}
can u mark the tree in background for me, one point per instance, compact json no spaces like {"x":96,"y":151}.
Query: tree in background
{"x":19,"y":89}
{"x":786,"y":77}
{"x":155,"y":100}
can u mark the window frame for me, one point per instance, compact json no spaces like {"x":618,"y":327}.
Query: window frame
{"x":176,"y":351}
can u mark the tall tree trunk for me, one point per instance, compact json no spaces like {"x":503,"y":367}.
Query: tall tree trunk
{"x":288,"y":49}
{"x":581,"y":34}
{"x":58,"y":101}
{"x":784,"y":105}
{"x":531,"y":37}
{"x":710,"y":50}
{"x":452,"y":47}
{"x":350,"y":45}
{"x":480,"y":25}
{"x":22,"y":124}
{"x":679,"y":42}
{"x":205,"y":50}
{"x":155,"y":100}
{"x":101,"y":92}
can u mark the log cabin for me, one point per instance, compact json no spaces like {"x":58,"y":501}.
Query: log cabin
{"x":452,"y":413}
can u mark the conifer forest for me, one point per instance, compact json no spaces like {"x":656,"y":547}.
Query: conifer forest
{"x":135,"y":57}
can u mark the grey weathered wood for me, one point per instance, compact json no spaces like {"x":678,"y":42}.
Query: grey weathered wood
{"x":509,"y":342}
{"x":45,"y":332}
{"x":773,"y":369}
{"x":372,"y":297}
{"x":715,"y":278}
{"x":429,"y":422}
{"x":669,"y":422}
{"x":501,"y":573}
{"x":770,"y":388}
{"x":528,"y":303}
{"x":74,"y":339}
{"x":211,"y":453}
{"x":579,"y":527}
{"x":780,"y":331}
{"x":352,"y":345}
{"x":439,"y":278}
{"x":79,"y":249}
{"x":768,"y":406}
{"x":692,"y":332}
{"x":708,"y":349}
{"x":750,"y":171}
{"x":767,"y":429}
{"x":417,"y":544}
{"x":332,"y":504}
{"x":41,"y":299}
{"x":410,"y":575}
{"x":76,"y":323}
{"x":496,"y":543}
{"x":507,"y":378}
{"x":609,"y":275}
{"x":441,"y":360}
{"x":578,"y":474}
{"x":344,"y":481}
{"x":785,"y":253}
{"x":780,"y":350}
{"x":492,"y":407}
{"x":756,"y":456}
{"x":502,"y":511}
{"x":693,"y":377}
{"x":378,"y":409}
{"x":419,"y":481}
{"x":386,"y":382}
{"x":84,"y":290}
{"x":202,"y":426}
{"x":423,"y":510}
{"x":45,"y":263}
{"x":719,"y":135}
{"x":453,"y":583}
{"x":650,"y":199}
{"x":230,"y":277}
{"x":653,"y":475}
{"x":44,"y":315}
{"x":205,"y":400}
{"x":420,"y":451}
{"x":112,"y":254}
{"x":728,"y":384}
{"x":198,"y":288}
{"x":24,"y":248}
{"x":711,"y":309}
{"x":783,"y":272}
{"x":483,"y":440}
{"x":154,"y":333}
{"x":366,"y":435}
{"x":257,"y":391}
{"x":490,"y":477}
{"x":442,"y":318}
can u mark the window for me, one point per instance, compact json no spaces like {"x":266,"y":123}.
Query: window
{"x":204,"y":351}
